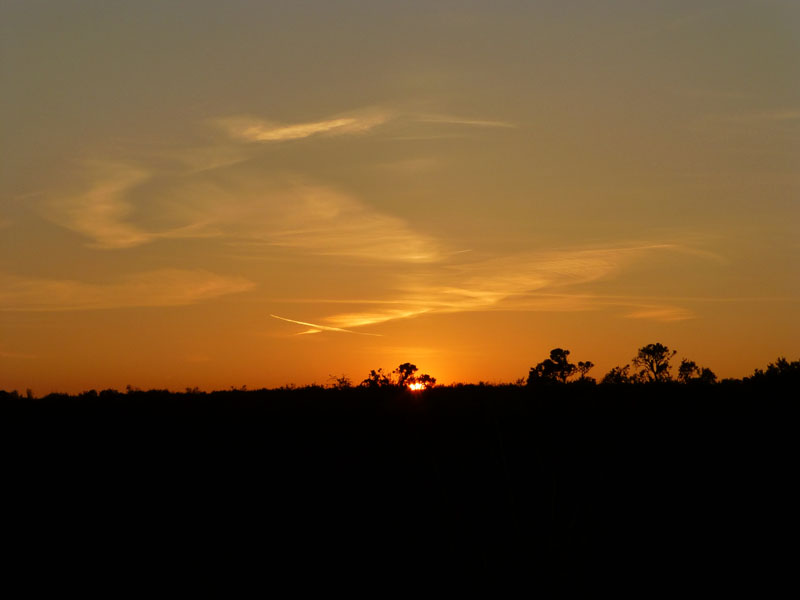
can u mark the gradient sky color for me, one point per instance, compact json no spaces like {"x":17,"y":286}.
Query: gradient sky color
{"x":223,"y":194}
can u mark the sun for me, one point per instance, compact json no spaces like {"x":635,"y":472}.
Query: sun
{"x":416,"y":386}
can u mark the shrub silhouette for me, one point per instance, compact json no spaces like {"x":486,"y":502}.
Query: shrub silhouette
{"x":619,"y":375}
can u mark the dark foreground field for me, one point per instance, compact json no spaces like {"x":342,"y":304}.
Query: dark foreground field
{"x":634,"y":489}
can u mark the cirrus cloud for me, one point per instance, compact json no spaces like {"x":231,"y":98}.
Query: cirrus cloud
{"x":163,"y":287}
{"x":524,"y":282}
{"x":253,"y":129}
{"x":245,"y":209}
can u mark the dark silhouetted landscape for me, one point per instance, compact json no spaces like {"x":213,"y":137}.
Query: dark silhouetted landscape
{"x":557,"y":484}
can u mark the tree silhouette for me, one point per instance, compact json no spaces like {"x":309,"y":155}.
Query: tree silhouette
{"x":653,"y":362}
{"x":377,"y":379}
{"x":583,"y":368}
{"x":341,"y":382}
{"x":556,"y":369}
{"x":404,"y":374}
{"x":784,"y":368}
{"x":688,"y":371}
{"x":619,"y":375}
{"x":706,"y":376}
{"x":425,"y":380}
{"x":780,"y":370}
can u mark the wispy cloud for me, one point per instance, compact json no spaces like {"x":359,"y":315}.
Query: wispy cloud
{"x":466,"y":121}
{"x":165,"y":287}
{"x":100,"y":211}
{"x":104,"y":213}
{"x":360,"y":319}
{"x":250,"y":209}
{"x":482,"y":285}
{"x":661,"y":313}
{"x":253,"y":129}
{"x":323,"y":221}
{"x":314,"y":328}
{"x":200,"y":159}
{"x":254,"y":213}
{"x":239,"y":207}
{"x":513,"y":282}
{"x":201,"y":192}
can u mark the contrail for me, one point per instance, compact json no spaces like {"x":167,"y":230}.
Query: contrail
{"x":318,"y":328}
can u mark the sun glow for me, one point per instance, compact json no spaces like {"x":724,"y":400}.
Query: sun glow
{"x":416,"y":387}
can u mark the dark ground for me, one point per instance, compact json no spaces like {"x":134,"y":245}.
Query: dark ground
{"x":633,"y":490}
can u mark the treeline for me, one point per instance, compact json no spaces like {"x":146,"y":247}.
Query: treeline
{"x":567,"y":487}
{"x":556,"y":484}
{"x":651,"y":364}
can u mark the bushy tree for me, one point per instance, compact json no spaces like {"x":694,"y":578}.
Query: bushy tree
{"x":556,"y":369}
{"x":653,"y":362}
{"x":377,"y":379}
{"x":781,"y":370}
{"x":404,"y":374}
{"x":689,"y":372}
{"x":425,"y":380}
{"x":706,"y":376}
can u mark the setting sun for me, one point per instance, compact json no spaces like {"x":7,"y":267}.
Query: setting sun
{"x":415,"y":387}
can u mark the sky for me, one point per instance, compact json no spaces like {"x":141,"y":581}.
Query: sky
{"x":206,"y":194}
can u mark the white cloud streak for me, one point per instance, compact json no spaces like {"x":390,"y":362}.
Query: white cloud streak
{"x":508,"y":282}
{"x":318,"y":328}
{"x":252,"y":129}
{"x":468,"y":122}
{"x":661,"y":313}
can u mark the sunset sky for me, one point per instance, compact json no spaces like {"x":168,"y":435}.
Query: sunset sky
{"x":216,"y":194}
